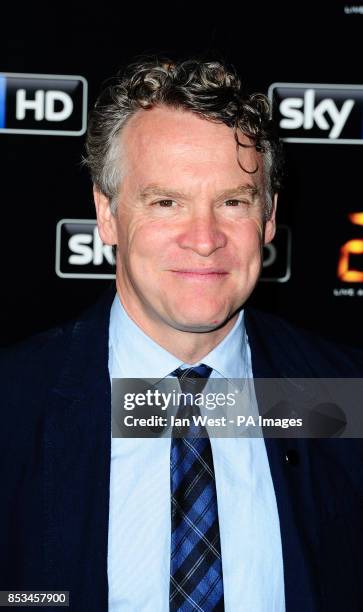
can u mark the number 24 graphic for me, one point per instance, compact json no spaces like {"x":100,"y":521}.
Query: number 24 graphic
{"x":352,"y":247}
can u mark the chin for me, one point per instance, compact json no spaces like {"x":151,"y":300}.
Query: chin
{"x":196,"y":328}
{"x":198,"y":323}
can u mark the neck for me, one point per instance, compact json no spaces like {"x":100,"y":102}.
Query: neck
{"x":189,"y":347}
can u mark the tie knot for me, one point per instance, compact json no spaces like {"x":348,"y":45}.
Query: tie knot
{"x":192,"y":380}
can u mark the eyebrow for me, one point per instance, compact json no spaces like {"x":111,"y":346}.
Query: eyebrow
{"x":157,"y":190}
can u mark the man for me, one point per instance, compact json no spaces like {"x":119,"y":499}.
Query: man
{"x":186,"y":175}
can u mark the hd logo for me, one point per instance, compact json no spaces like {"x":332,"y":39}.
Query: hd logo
{"x":80,"y":253}
{"x":318,"y":113}
{"x":43,"y":104}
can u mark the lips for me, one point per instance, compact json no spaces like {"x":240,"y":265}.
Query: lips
{"x":201,"y":273}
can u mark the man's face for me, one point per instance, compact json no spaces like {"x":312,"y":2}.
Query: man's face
{"x":189,"y":223}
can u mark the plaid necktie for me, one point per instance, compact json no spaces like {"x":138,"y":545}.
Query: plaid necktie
{"x":196,"y":581}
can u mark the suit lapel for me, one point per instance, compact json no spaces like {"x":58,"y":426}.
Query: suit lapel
{"x":289,"y":465}
{"x":77,"y":460}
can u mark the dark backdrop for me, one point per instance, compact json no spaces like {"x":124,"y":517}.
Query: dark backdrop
{"x":44,"y":183}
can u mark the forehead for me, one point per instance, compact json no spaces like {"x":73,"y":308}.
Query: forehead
{"x":165,"y":140}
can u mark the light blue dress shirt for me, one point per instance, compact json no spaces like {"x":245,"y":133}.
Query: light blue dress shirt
{"x":139,"y":519}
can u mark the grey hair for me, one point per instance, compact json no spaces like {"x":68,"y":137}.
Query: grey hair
{"x":211,"y":89}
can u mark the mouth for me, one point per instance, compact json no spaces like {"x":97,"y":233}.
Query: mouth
{"x":201,"y":274}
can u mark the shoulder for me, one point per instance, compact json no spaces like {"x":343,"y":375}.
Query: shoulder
{"x":30,"y":369}
{"x":33,"y":363}
{"x":28,"y":373}
{"x":40,"y":358}
{"x":300,"y":352}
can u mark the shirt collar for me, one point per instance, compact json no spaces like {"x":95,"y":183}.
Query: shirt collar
{"x":229,"y":357}
{"x":148,"y":359}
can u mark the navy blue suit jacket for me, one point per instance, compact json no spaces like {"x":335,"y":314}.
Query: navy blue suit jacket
{"x":55,"y":467}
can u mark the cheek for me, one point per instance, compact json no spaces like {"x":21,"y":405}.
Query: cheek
{"x":246,"y":244}
{"x":136,"y":236}
{"x":150,"y":245}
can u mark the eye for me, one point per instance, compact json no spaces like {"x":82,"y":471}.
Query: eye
{"x":164,"y":203}
{"x":236,"y":202}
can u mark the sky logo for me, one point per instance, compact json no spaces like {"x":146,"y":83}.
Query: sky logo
{"x":318,"y":113}
{"x":276,"y":265}
{"x":43,"y":104}
{"x":80,"y":252}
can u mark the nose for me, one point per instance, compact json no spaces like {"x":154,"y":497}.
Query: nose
{"x":202,"y":234}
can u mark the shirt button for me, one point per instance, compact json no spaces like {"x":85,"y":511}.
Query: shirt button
{"x":292,"y":457}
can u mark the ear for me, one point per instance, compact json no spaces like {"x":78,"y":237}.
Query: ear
{"x":105,"y":219}
{"x":270,"y":227}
